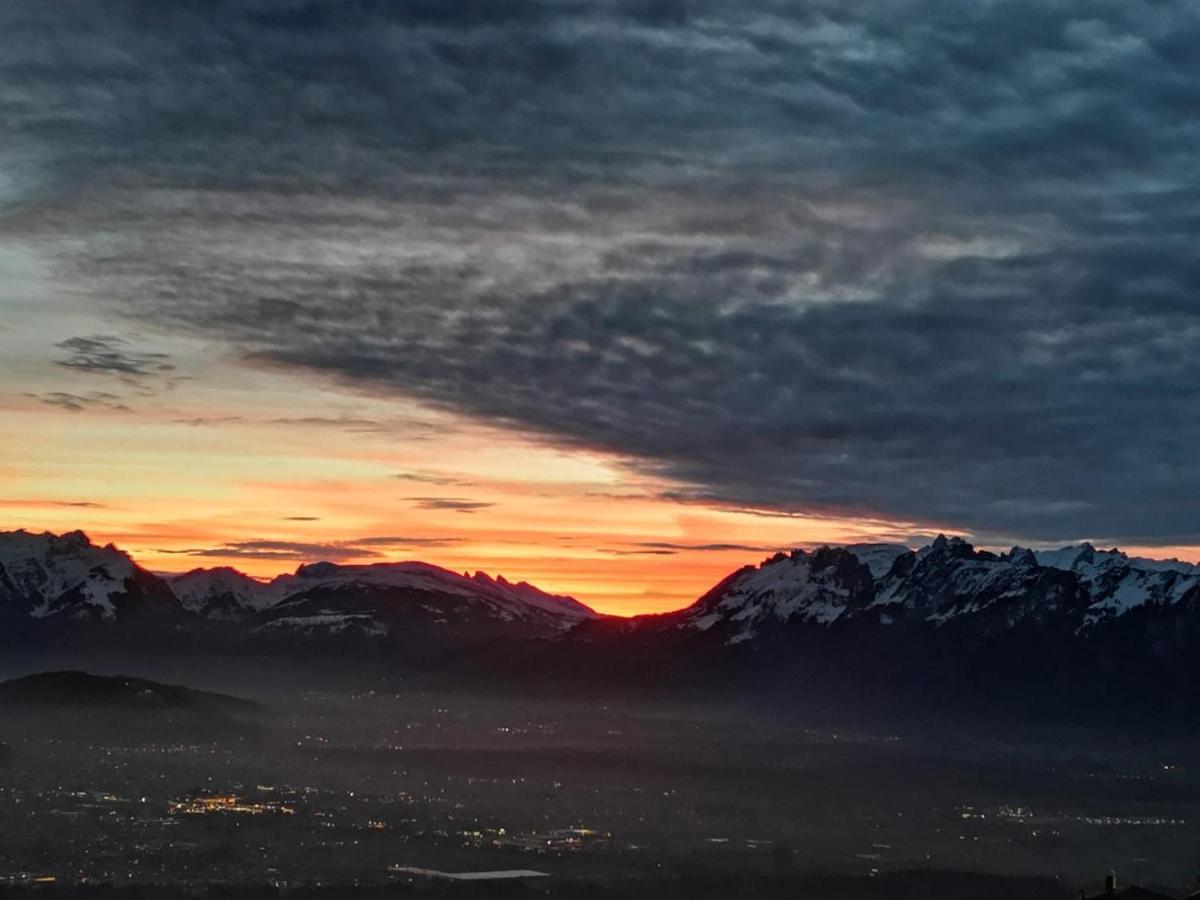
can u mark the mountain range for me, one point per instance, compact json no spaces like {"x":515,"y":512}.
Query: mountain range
{"x":65,"y":583}
{"x":1054,"y":622}
{"x":947,"y":584}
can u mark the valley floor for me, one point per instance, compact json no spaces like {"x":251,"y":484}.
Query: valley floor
{"x":338,"y":787}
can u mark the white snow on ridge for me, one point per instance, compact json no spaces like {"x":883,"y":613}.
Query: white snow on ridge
{"x":879,"y":558}
{"x":1065,"y":558}
{"x":951,"y":581}
{"x":779,"y":590}
{"x":199,"y":588}
{"x":49,"y":566}
{"x":514,"y":600}
{"x":1088,"y":561}
{"x":1119,"y":582}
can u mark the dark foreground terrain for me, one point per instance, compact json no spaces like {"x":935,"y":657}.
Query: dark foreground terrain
{"x":609,"y":798}
{"x":916,"y":885}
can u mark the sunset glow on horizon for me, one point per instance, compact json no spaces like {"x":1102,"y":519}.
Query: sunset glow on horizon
{"x":181,"y":486}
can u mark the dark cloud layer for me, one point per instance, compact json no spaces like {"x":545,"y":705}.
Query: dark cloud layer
{"x":934,"y":262}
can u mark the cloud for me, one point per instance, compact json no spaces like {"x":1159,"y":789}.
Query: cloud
{"x":33,"y":502}
{"x":81,"y":402}
{"x":449,"y":503}
{"x":334,"y":551}
{"x":208,"y":421}
{"x":402,"y":541}
{"x":359,"y":426}
{"x":706,"y":548}
{"x":293,"y":550}
{"x":614,"y":552}
{"x":410,"y":428}
{"x":923,"y":262}
{"x":426,"y":478}
{"x":302,"y":518}
{"x":668,"y":548}
{"x":109,"y":355}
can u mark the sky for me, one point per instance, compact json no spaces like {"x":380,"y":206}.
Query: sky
{"x":614,"y":297}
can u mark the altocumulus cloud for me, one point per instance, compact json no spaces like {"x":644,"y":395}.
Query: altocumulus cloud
{"x":937,"y":262}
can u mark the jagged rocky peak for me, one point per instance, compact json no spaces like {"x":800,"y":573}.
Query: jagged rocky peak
{"x":879,"y":558}
{"x":948,"y":580}
{"x":800,"y":586}
{"x":25,"y":548}
{"x":317,"y":570}
{"x":828,"y":556}
{"x":76,"y":538}
{"x":841,"y":562}
{"x":1021,"y":556}
{"x":950,"y":547}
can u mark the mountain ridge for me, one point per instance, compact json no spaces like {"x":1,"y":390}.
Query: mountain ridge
{"x":52,"y":575}
{"x":67,"y":580}
{"x":945,"y":580}
{"x":1070,"y":629}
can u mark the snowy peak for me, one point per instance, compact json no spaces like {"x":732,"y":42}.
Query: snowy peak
{"x":412,"y":602}
{"x":220,"y":593}
{"x":879,"y":558}
{"x":1086,"y":559}
{"x":1119,"y":583}
{"x":947,"y":548}
{"x":1021,"y":556}
{"x":950,"y":581}
{"x":62,"y":578}
{"x":1070,"y":559}
{"x":520,"y":599}
{"x":326,"y":600}
{"x":947,"y":581}
{"x":48,"y":576}
{"x":817,"y":587}
{"x":524,"y":592}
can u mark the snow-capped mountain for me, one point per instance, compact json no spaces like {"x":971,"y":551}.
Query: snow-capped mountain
{"x":817,"y":588}
{"x":386,"y":598}
{"x":1077,"y":627}
{"x":220,"y":593}
{"x":1118,"y":583}
{"x":45,"y":577}
{"x":67,"y":577}
{"x":1072,"y":633}
{"x":947,"y":582}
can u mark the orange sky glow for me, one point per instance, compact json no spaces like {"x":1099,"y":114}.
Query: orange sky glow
{"x":180,"y":487}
